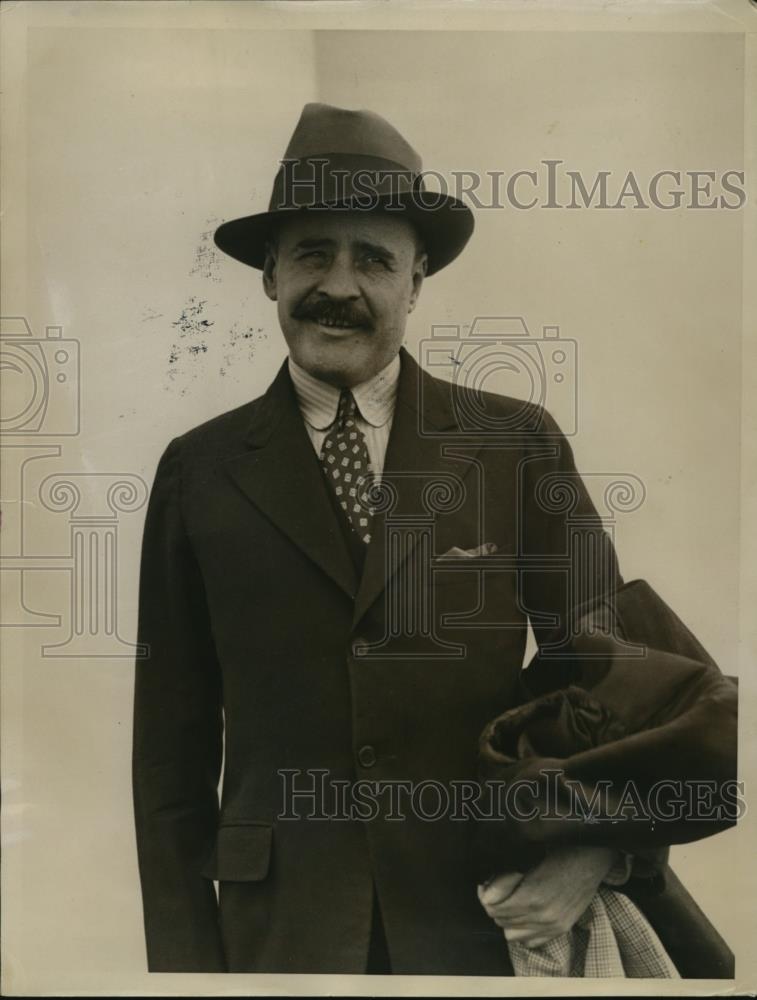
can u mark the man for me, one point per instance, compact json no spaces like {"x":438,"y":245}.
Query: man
{"x":317,"y":601}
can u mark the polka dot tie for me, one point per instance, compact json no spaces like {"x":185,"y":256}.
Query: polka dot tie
{"x":344,"y":457}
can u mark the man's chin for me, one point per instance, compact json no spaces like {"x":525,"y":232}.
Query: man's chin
{"x":338,"y":360}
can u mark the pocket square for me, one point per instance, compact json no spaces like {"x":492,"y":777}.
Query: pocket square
{"x":487,"y":549}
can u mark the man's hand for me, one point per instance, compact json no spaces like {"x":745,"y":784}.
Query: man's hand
{"x":548,"y":900}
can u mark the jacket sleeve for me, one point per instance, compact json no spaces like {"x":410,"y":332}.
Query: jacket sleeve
{"x":567,"y":557}
{"x":177,"y":740}
{"x":569,"y":561}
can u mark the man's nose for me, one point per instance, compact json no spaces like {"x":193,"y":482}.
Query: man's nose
{"x":339,"y":281}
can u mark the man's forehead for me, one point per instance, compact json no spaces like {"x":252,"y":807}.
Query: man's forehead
{"x":347,"y":227}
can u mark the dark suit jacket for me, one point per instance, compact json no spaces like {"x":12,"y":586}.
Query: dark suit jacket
{"x":255,"y":618}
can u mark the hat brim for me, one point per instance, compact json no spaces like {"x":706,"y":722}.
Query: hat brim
{"x":445,"y":226}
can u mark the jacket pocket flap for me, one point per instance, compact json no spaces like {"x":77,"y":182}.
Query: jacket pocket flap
{"x":242,"y":853}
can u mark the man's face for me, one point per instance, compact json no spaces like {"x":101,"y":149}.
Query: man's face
{"x":344,"y":283}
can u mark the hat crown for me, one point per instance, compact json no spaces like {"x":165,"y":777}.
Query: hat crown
{"x":343,"y":160}
{"x":324,"y":129}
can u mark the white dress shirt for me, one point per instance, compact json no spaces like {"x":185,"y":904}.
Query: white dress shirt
{"x":375,"y":400}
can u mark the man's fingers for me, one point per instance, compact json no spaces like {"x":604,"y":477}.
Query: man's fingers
{"x":546,"y":902}
{"x":530,"y":937}
{"x":522,"y":906}
{"x":503,"y":917}
{"x":523,"y":911}
{"x":499,"y":888}
{"x":527,"y":900}
{"x":524,"y":935}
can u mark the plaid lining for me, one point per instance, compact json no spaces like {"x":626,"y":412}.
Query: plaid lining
{"x":611,"y":940}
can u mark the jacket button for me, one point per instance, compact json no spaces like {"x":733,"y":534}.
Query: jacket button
{"x":358,"y":646}
{"x":367,"y":756}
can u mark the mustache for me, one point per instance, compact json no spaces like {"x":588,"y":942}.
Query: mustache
{"x":330,"y":311}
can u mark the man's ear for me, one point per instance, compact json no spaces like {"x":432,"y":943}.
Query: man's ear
{"x":420,"y":266}
{"x":269,"y":271}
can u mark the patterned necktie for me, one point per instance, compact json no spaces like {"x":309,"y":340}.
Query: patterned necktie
{"x":344,"y":456}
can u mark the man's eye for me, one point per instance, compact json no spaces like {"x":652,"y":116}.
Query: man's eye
{"x":376,"y":261}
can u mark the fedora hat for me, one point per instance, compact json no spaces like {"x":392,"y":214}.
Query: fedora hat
{"x":340,"y":160}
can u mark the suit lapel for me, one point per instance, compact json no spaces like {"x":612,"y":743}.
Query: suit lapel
{"x":280,"y":474}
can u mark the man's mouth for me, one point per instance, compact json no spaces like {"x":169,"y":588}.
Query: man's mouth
{"x":333,"y":317}
{"x":337,"y":324}
{"x":337,"y":329}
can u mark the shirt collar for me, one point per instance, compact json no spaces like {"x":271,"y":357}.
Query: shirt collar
{"x":318,"y":400}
